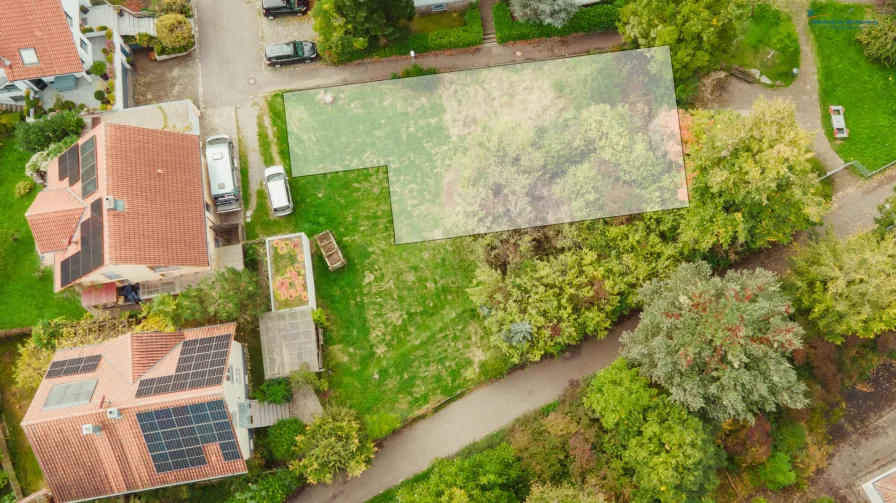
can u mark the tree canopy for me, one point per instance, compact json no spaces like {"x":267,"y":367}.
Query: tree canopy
{"x":335,"y":441}
{"x":669,"y":454}
{"x":847,"y":287}
{"x":719,"y":345}
{"x":553,"y":12}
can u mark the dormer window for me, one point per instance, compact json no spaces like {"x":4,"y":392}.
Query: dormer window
{"x":29,"y":56}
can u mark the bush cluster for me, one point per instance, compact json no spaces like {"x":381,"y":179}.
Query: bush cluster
{"x":600,"y":17}
{"x":283,"y":438}
{"x":40,"y":134}
{"x":469,"y":35}
{"x":276,"y":391}
{"x":174,"y":34}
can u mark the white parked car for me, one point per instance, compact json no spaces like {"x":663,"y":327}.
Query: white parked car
{"x":277,"y":183}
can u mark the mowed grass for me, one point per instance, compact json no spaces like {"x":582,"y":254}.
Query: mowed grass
{"x":13,"y":405}
{"x":865,"y":88}
{"x":433,"y":22}
{"x":25,"y":298}
{"x":769,"y":43}
{"x":404,"y":333}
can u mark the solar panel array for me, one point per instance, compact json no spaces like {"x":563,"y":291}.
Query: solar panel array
{"x":70,"y":394}
{"x":175,"y":435}
{"x":88,"y":167}
{"x":73,"y":366}
{"x":201,"y":364}
{"x":68,"y":165}
{"x":90,"y":257}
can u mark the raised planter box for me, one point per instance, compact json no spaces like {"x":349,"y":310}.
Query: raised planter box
{"x":330,"y":249}
{"x":172,"y":56}
{"x":290,"y":275}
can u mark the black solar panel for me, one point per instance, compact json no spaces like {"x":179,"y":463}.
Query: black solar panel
{"x":90,"y":257}
{"x":73,"y":366}
{"x":88,"y":167}
{"x":68,"y":164}
{"x":174,"y":436}
{"x":201,"y":364}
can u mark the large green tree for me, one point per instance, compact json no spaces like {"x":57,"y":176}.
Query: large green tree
{"x":669,"y":454}
{"x":751,"y":180}
{"x":336,"y":36}
{"x":345,"y":26}
{"x":697,"y":31}
{"x":335,"y":441}
{"x":847,"y":287}
{"x":720,"y":345}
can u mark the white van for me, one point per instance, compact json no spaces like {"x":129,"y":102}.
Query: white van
{"x":222,"y":173}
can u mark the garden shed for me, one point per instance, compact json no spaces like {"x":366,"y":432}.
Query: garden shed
{"x":289,"y":337}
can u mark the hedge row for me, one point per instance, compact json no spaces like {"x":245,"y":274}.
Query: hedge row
{"x":469,"y":35}
{"x":601,"y":17}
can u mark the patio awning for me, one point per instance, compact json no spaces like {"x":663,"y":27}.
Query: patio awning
{"x":99,"y":294}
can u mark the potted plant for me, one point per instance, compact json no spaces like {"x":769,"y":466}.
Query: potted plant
{"x":99,"y":95}
{"x":99,"y":68}
{"x":84,"y":9}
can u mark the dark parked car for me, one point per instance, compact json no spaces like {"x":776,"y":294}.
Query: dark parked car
{"x":290,"y":53}
{"x":274,"y":8}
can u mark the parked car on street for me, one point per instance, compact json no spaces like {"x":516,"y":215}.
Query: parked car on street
{"x":223,"y":176}
{"x":290,"y":53}
{"x":274,"y":8}
{"x":277,"y":183}
{"x":838,"y":122}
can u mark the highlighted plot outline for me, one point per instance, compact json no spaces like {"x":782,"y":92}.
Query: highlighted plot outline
{"x":502,"y":148}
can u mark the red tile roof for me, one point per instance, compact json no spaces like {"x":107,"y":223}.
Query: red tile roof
{"x":53,"y":218}
{"x":158,"y":175}
{"x":40,"y":25}
{"x":886,"y":488}
{"x":78,"y":466}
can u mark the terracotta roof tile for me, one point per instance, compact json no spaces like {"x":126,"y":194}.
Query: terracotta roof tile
{"x":40,"y":25}
{"x":117,"y":461}
{"x":53,"y":218}
{"x":158,"y":174}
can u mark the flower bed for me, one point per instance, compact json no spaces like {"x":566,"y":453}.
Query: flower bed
{"x":289,"y":272}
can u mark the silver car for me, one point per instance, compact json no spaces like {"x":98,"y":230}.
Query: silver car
{"x":277,"y":183}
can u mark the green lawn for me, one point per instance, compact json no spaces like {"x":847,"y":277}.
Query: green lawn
{"x":404,"y":333}
{"x":865,"y":88}
{"x":443,"y":21}
{"x":24,"y":298}
{"x":769,"y":43}
{"x":13,"y":404}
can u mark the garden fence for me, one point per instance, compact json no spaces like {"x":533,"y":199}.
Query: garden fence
{"x":6,"y":462}
{"x":862,"y":170}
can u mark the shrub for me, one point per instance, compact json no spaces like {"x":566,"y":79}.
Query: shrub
{"x":176,"y":7}
{"x":108,"y":34}
{"x":47,"y":332}
{"x":880,"y":40}
{"x":414,"y":71}
{"x":777,"y":473}
{"x":40,"y":134}
{"x":98,"y":68}
{"x":4,"y":479}
{"x":319,"y":316}
{"x":24,"y":187}
{"x":230,"y":295}
{"x":304,"y":376}
{"x":563,"y":494}
{"x":145,"y":39}
{"x":277,"y":391}
{"x":491,"y":476}
{"x":282,"y":438}
{"x":99,"y":95}
{"x":552,"y":12}
{"x":600,"y":17}
{"x":174,"y":33}
{"x":886,"y":216}
{"x":269,"y":488}
{"x":9,"y":121}
{"x":334,"y":441}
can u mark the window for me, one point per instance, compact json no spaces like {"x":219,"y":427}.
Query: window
{"x":29,"y":56}
{"x":163,"y":268}
{"x":111,"y":275}
{"x":440,"y":7}
{"x":71,"y":23}
{"x":83,"y":45}
{"x":229,"y":376}
{"x":70,"y":394}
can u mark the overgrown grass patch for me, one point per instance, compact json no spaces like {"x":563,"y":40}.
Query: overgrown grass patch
{"x":404,"y":333}
{"x":264,"y":139}
{"x":433,"y":22}
{"x":26,"y":291}
{"x":768,"y":43}
{"x":277,"y":111}
{"x":13,"y":405}
{"x":865,"y":88}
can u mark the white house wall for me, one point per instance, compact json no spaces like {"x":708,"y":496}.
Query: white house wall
{"x":235,"y":392}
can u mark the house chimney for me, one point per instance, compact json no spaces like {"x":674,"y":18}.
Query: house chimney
{"x":113,"y":204}
{"x":91,"y":429}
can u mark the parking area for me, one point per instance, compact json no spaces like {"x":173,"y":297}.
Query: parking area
{"x":284,"y":29}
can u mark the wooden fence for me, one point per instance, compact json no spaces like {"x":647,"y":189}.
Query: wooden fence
{"x":6,"y":461}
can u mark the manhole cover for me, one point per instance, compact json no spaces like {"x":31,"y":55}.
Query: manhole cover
{"x":251,"y":81}
{"x":519,"y":53}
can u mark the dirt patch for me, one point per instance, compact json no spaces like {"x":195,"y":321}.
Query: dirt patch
{"x":171,"y":80}
{"x":867,"y":402}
